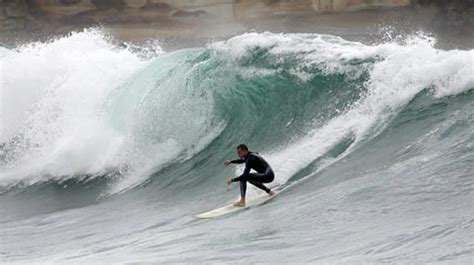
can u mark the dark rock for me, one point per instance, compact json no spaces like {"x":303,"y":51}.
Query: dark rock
{"x":108,"y":4}
{"x":69,"y":2}
{"x":2,"y":13}
{"x":15,"y":8}
{"x":182,"y":13}
{"x":162,"y":6}
{"x":12,"y":24}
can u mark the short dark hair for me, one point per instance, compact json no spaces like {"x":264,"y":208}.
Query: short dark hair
{"x":243,"y":147}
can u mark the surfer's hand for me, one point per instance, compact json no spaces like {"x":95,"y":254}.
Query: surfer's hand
{"x":226,"y":162}
{"x":228,"y":181}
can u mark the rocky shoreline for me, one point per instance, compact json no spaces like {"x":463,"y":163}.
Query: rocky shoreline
{"x":186,"y":23}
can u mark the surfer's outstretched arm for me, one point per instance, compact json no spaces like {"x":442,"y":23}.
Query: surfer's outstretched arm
{"x":237,"y":161}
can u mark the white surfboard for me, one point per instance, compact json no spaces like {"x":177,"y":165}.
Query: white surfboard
{"x":249,"y":202}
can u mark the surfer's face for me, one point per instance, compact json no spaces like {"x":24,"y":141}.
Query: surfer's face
{"x":242,"y":152}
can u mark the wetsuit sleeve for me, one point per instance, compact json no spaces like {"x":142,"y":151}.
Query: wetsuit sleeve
{"x":245,"y":174}
{"x":238,"y":161}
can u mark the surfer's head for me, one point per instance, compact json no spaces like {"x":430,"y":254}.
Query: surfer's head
{"x":242,"y":150}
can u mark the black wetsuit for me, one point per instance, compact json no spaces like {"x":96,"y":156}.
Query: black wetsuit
{"x":264,"y":172}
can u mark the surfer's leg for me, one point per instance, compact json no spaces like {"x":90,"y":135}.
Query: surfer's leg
{"x":243,"y":189}
{"x":260,"y":186}
{"x":265,"y":177}
{"x":257,"y":179}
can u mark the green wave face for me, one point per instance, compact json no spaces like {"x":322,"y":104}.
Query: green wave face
{"x":185,"y":100}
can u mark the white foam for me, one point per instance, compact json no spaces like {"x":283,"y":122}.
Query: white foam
{"x":51,"y":94}
{"x":58,"y":102}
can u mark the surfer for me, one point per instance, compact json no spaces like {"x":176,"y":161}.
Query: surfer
{"x":253,"y":161}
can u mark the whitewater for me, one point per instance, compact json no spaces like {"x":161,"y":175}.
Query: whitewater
{"x":108,"y":150}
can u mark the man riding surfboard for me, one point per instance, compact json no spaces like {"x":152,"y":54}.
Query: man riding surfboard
{"x":253,"y":161}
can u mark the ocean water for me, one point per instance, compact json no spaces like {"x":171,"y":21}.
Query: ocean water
{"x":107,"y":151}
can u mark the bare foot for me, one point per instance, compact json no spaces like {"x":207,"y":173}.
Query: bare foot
{"x":271,"y":193}
{"x":240,"y":203}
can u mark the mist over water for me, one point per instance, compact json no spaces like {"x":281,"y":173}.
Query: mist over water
{"x":107,"y":151}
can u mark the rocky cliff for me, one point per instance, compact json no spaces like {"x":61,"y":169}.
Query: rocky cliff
{"x":24,"y":20}
{"x":19,"y":14}
{"x":13,"y":15}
